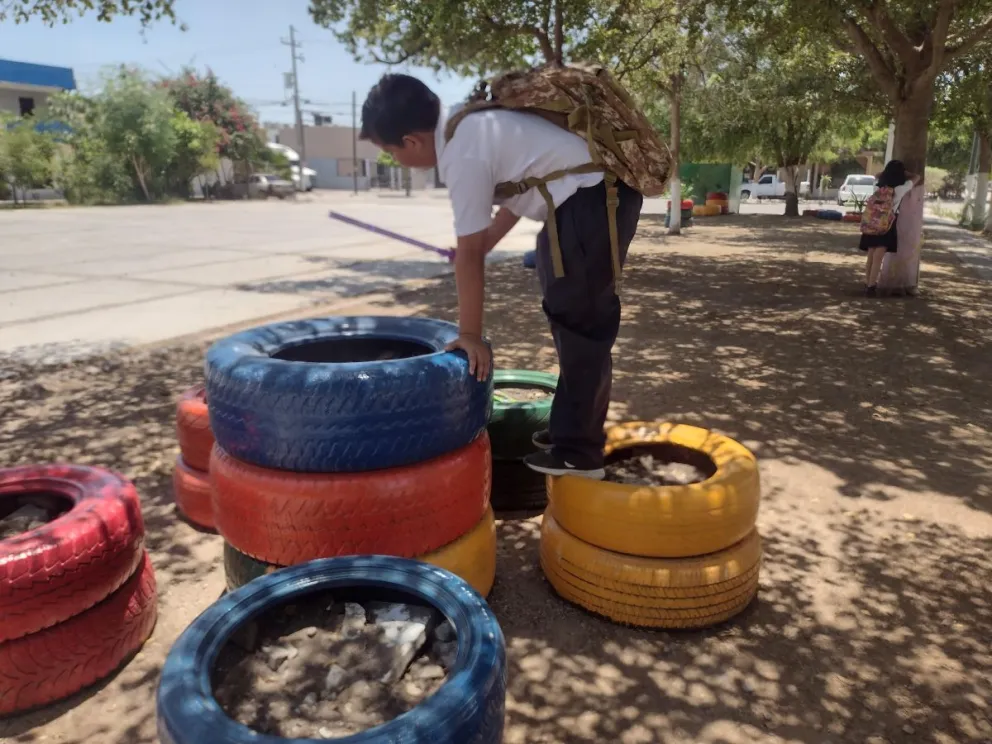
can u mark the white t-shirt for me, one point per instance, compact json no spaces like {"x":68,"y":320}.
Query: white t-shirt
{"x":900,"y":192}
{"x":491,"y":147}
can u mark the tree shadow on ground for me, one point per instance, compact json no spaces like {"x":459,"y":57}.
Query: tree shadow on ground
{"x":871,"y":419}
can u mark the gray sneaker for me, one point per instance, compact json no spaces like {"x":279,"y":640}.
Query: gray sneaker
{"x":550,"y":464}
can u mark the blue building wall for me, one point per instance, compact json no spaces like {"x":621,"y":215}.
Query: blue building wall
{"x":26,"y":73}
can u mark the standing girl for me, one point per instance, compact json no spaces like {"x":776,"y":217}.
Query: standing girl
{"x":878,"y":222}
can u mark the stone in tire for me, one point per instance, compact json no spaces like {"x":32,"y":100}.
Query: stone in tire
{"x":193,"y":428}
{"x":513,"y":423}
{"x":663,"y":521}
{"x":472,"y":557}
{"x":193,"y":494}
{"x":651,"y":592}
{"x":54,"y":663}
{"x":66,"y":566}
{"x":468,"y":707}
{"x":517,"y":488}
{"x":286,"y":518}
{"x":271,"y":407}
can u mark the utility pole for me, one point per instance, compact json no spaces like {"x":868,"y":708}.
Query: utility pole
{"x":293,"y":45}
{"x":354,"y":140}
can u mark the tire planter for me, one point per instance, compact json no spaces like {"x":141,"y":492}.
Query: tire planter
{"x":66,"y":566}
{"x":272,"y":408}
{"x":651,"y":592}
{"x":472,"y":557}
{"x":530,"y":260}
{"x":829,"y":214}
{"x":517,"y":488}
{"x":663,"y":521}
{"x":469,"y":706}
{"x":54,"y":663}
{"x":512,"y":424}
{"x":851,"y":217}
{"x":193,"y":428}
{"x":287,"y":518}
{"x":193,"y":494}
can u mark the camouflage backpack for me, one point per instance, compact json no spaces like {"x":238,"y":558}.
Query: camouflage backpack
{"x":879,"y":212}
{"x":587,"y":101}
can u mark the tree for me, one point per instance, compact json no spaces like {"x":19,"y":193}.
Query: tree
{"x":468,"y":37}
{"x":61,"y":11}
{"x":964,"y":105}
{"x":27,"y":156}
{"x":906,"y":45}
{"x":136,"y":123}
{"x":203,"y":98}
{"x":196,"y":144}
{"x":658,"y":52}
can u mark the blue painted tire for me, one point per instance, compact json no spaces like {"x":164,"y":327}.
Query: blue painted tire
{"x":530,"y":259}
{"x":467,"y":709}
{"x":322,"y":417}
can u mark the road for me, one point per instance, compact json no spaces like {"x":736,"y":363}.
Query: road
{"x":77,"y":281}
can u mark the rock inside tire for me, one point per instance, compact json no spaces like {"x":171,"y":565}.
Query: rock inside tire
{"x":468,"y":707}
{"x":343,"y":394}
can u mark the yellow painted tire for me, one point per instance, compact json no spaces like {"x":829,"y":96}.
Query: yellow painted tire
{"x":651,"y":592}
{"x":472,"y":556}
{"x":699,"y":211}
{"x":718,"y":203}
{"x":663,"y":521}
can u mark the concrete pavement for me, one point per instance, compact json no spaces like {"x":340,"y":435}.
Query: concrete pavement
{"x":78,"y":281}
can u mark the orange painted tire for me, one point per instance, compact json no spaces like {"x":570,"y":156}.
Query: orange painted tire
{"x":193,"y":428}
{"x":192,"y":491}
{"x":281,"y":517}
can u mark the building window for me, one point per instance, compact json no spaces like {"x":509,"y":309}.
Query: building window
{"x":27,"y":105}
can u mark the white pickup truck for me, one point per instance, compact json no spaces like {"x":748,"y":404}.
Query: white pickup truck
{"x":766,"y":187}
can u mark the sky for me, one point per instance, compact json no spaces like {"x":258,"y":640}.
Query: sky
{"x":238,"y":39}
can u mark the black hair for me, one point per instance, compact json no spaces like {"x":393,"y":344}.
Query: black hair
{"x":398,"y":105}
{"x":893,"y":175}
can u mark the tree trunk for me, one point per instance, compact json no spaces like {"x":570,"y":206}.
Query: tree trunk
{"x":982,"y":188}
{"x":675,"y":213}
{"x":792,"y":191}
{"x":901,"y":270}
{"x":141,"y":178}
{"x":559,"y":32}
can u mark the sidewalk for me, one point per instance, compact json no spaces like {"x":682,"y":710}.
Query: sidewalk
{"x":972,"y":250}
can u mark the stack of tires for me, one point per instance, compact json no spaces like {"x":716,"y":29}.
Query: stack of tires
{"x":190,"y":477}
{"x":685,"y":206}
{"x":666,"y":556}
{"x":718,"y":200}
{"x":77,"y":590}
{"x":350,"y":436}
{"x":512,"y":427}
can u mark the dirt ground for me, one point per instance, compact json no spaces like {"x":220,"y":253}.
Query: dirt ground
{"x":872,"y":422}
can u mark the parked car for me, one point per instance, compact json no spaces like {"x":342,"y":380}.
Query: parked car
{"x":767,"y":187}
{"x":855,"y":187}
{"x":264,"y":185}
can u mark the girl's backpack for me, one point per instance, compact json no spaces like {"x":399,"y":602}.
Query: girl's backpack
{"x":879,"y":212}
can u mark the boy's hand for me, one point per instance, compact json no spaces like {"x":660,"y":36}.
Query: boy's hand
{"x":480,"y":356}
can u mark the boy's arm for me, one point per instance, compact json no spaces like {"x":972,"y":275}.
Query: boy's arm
{"x":503,"y":222}
{"x":470,"y":264}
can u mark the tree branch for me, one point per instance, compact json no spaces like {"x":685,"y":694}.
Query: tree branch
{"x":969,"y":42}
{"x":884,"y":75}
{"x":559,"y":32}
{"x":900,"y":43}
{"x":541,"y":35}
{"x":938,"y":40}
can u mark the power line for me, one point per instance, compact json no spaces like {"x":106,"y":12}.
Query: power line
{"x":293,"y":44}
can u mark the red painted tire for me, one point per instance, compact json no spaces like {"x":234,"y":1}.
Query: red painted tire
{"x":286,"y":518}
{"x":56,"y":662}
{"x":851,"y":217}
{"x":68,"y":565}
{"x":196,"y":439}
{"x":192,"y":492}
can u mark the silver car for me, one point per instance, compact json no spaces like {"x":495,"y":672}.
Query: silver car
{"x":856,"y":188}
{"x":264,"y":185}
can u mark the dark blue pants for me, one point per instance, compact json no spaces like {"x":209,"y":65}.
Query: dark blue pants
{"x":584,"y":312}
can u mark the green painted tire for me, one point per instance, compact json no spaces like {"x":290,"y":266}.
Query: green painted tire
{"x":517,"y":488}
{"x":239,"y":568}
{"x":513,"y":423}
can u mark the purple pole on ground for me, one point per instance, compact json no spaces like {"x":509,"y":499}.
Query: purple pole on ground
{"x":446,"y":252}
